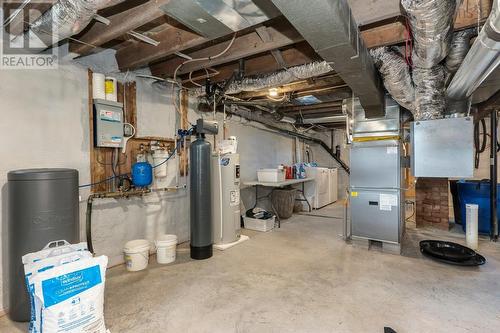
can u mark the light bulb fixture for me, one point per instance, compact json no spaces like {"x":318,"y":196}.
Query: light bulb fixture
{"x":273,"y":92}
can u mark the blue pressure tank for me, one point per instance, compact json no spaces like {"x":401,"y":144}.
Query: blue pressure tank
{"x":142,"y":174}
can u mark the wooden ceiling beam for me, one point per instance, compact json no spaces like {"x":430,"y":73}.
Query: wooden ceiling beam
{"x":121,"y":23}
{"x":485,"y":108}
{"x":367,"y":12}
{"x":395,"y":33}
{"x":244,"y":46}
{"x":316,"y":113}
{"x":306,"y":108}
{"x":260,"y":64}
{"x":171,"y":40}
{"x":389,"y":34}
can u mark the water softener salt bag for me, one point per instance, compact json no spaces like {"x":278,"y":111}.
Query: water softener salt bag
{"x":72,"y":296}
{"x":53,"y":249}
{"x":33,"y":268}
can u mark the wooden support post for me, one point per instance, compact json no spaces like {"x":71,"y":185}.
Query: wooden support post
{"x":184,"y":107}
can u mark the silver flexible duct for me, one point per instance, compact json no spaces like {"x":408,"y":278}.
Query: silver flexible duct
{"x":65,"y":19}
{"x":429,"y":92}
{"x":460,"y":45}
{"x":396,"y":76}
{"x":482,"y":59}
{"x":280,"y":78}
{"x":431,"y":23}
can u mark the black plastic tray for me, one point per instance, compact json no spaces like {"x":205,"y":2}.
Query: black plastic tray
{"x":451,"y":253}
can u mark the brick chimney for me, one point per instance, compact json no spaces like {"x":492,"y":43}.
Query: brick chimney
{"x":432,"y":207}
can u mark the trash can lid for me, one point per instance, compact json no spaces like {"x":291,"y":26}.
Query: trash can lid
{"x":42,"y":174}
{"x":451,"y":253}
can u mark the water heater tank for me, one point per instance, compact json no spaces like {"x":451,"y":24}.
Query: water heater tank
{"x":226,"y":198}
{"x":43,"y":207}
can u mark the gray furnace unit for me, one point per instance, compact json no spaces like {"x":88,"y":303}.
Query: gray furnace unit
{"x":376,"y":176}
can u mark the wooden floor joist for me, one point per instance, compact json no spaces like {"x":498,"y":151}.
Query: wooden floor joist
{"x":121,"y":23}
{"x":261,"y":64}
{"x":395,"y":33}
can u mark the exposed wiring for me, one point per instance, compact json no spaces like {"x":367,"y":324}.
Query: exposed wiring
{"x":195,"y":83}
{"x":191,"y":79}
{"x":408,"y":44}
{"x":478,"y":5}
{"x":109,"y":164}
{"x":102,"y":181}
{"x":202,"y":59}
{"x":479,"y":145}
{"x":412,"y":203}
{"x":182,"y":135}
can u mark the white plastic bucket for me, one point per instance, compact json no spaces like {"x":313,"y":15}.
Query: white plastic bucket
{"x":166,"y":248}
{"x":137,"y":254}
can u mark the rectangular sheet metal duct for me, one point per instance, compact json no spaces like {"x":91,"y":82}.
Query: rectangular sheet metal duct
{"x":325,"y":120}
{"x":329,"y":27}
{"x":216,"y":18}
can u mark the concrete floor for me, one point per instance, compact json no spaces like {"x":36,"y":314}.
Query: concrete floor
{"x":304,"y":278}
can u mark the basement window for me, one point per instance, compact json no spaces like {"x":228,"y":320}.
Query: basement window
{"x":307,"y":100}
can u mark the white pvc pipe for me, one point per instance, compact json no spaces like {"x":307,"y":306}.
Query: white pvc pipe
{"x":220,"y":198}
{"x":471,"y":226}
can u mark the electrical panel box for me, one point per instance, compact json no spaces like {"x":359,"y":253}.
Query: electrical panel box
{"x":108,"y":124}
{"x":443,"y":148}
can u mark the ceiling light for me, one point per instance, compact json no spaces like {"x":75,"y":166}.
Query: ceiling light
{"x":273,"y":92}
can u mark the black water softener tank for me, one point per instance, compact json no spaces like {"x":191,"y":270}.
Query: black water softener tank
{"x":43,"y":207}
{"x":201,"y":198}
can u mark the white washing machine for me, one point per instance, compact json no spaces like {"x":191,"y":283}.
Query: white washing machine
{"x":318,"y":190}
{"x":334,"y":184}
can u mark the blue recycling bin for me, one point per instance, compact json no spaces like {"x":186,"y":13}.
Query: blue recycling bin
{"x":477,"y":192}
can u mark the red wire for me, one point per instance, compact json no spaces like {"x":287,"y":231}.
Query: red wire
{"x":408,"y":44}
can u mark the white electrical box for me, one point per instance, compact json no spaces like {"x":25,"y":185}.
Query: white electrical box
{"x":108,"y":124}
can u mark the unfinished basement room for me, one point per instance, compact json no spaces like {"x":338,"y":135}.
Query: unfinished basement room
{"x":250,"y":166}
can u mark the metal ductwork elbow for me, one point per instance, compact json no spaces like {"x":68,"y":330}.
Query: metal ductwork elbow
{"x":481,"y":60}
